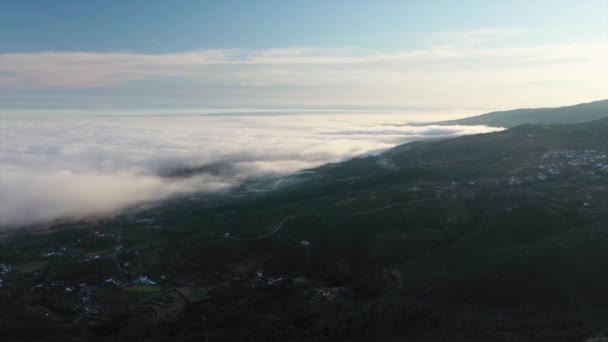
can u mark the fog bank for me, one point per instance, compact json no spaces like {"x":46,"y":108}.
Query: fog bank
{"x":71,"y":168}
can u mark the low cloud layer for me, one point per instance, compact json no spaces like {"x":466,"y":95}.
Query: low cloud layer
{"x":77,"y":167}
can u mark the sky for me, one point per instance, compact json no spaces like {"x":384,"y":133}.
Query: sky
{"x":412,"y":56}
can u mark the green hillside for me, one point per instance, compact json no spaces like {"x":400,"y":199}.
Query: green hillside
{"x":489,"y":237}
{"x":561,"y":115}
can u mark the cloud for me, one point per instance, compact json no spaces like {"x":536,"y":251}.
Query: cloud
{"x":457,"y":70}
{"x":88,"y":166}
{"x":473,"y":38}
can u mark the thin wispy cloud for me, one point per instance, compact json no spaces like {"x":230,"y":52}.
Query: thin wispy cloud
{"x":459,"y":75}
{"x":484,"y":36}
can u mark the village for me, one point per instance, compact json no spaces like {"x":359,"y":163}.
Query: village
{"x":84,"y":294}
{"x":586,"y":162}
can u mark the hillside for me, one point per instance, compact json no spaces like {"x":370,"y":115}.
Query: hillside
{"x":490,"y":237}
{"x":560,"y":115}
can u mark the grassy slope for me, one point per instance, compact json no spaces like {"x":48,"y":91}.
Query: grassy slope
{"x":477,"y":262}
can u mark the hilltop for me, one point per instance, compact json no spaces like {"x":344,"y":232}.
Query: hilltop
{"x":561,"y":115}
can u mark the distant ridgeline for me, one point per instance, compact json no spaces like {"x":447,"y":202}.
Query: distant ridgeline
{"x":562,"y":115}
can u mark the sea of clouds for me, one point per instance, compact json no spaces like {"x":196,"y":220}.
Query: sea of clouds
{"x":75,"y":167}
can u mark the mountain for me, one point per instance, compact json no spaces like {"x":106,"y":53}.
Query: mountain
{"x":489,"y":237}
{"x":561,"y":115}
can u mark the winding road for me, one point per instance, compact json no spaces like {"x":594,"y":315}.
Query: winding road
{"x":282,"y":223}
{"x":385,"y":207}
{"x":276,"y":230}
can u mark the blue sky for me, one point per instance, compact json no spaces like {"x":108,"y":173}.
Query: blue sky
{"x":292,"y":53}
{"x":164,"y":26}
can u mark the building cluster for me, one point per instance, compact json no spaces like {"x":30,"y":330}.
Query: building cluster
{"x":587,"y":162}
{"x":593,"y":159}
{"x":89,"y":257}
{"x":554,"y":163}
{"x":259,"y":280}
{"x":4,"y":269}
{"x":85,"y":292}
{"x":105,"y":235}
{"x":120,"y":283}
{"x":514,"y":180}
{"x":329,"y":294}
{"x":144,"y":280}
{"x":58,"y":251}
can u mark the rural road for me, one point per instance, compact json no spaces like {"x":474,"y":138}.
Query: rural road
{"x":282,"y":223}
{"x":274,"y":231}
{"x":385,"y":207}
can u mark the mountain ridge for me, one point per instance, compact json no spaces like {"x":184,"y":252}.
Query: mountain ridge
{"x":578,"y":113}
